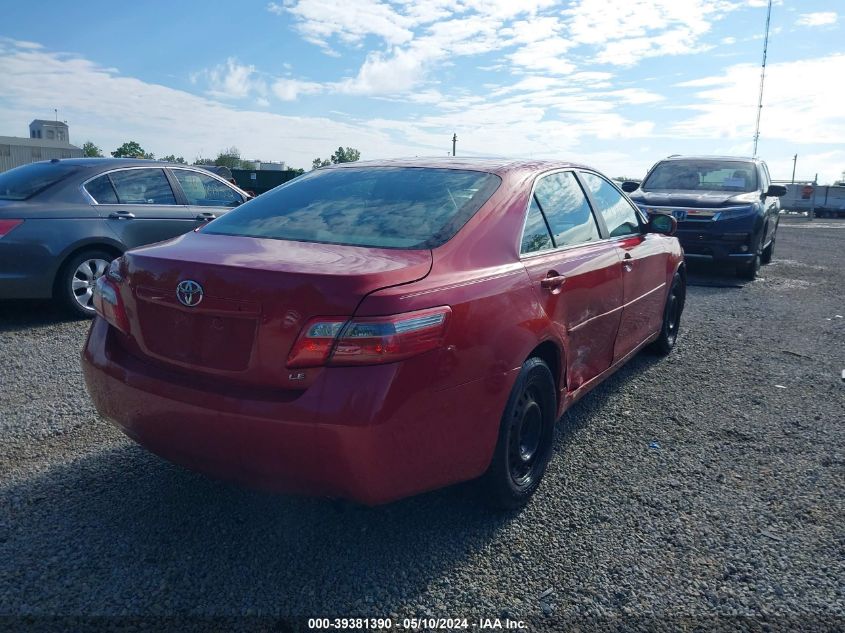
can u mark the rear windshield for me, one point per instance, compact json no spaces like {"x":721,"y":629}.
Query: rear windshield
{"x":385,"y":207}
{"x":703,"y":175}
{"x":24,"y":182}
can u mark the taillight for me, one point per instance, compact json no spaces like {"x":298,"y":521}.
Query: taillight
{"x":107,"y":301}
{"x":8,"y":225}
{"x":369,"y":340}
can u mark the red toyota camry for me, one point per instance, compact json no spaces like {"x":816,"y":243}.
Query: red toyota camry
{"x":374,"y":330}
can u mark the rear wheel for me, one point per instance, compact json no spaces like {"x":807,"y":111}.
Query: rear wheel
{"x":77,"y":278}
{"x":671,"y":317}
{"x":525,"y":438}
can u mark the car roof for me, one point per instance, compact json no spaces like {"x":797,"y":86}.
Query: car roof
{"x":112,"y":163}
{"x":744,"y":159}
{"x":493,"y":165}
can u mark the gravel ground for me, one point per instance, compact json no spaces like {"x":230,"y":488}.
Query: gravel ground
{"x":703,"y":490}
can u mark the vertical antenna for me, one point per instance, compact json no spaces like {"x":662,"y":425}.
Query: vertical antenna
{"x":762,"y":79}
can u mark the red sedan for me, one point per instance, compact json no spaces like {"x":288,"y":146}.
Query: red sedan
{"x":375,"y":330}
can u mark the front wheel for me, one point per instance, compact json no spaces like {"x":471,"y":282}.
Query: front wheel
{"x":769,"y":251}
{"x":671,"y":317}
{"x":76,"y":280}
{"x":525,"y":438}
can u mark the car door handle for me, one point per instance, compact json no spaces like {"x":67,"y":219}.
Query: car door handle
{"x":121,"y":215}
{"x":626,"y":264}
{"x":552,"y":281}
{"x":206,"y":216}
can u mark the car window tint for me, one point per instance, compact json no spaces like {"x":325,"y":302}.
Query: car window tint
{"x":619,"y":215}
{"x":389,"y":207}
{"x":203,"y":190}
{"x":536,"y":236}
{"x":567,"y":210}
{"x":142,"y":186}
{"x":24,"y":182}
{"x":101,"y":190}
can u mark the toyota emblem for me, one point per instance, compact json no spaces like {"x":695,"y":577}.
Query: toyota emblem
{"x":189,"y":293}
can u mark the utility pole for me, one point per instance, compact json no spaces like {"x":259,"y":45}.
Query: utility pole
{"x":454,"y":141}
{"x":794,"y":162}
{"x":56,"y":112}
{"x":762,"y":78}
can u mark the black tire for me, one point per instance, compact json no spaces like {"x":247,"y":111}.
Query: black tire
{"x":526,"y":434}
{"x":769,"y":251}
{"x":671,"y":317}
{"x":69,"y":276}
{"x":749,"y":271}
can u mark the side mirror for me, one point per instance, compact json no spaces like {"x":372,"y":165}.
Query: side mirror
{"x":629,"y":185}
{"x":662,"y":223}
{"x":776,"y":191}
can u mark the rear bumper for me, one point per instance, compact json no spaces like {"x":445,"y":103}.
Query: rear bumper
{"x":347,"y":435}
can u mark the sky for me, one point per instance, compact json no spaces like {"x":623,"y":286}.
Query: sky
{"x":615,"y":84}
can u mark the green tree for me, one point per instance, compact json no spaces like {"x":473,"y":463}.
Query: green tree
{"x":345,"y":155}
{"x":203,"y":161}
{"x":89,"y":150}
{"x":320,"y":162}
{"x":131,"y":149}
{"x":170,"y":158}
{"x":229,"y":157}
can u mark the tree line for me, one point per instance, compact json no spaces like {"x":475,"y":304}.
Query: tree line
{"x":229,"y":157}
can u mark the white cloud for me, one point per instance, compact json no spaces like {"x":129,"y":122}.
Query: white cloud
{"x":232,"y":80}
{"x":727,"y":104}
{"x":821,"y":18}
{"x":290,"y":89}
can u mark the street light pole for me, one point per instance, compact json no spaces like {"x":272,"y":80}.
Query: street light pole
{"x":794,"y":162}
{"x":454,"y":142}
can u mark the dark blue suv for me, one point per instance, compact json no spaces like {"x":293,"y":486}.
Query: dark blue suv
{"x":727,"y":208}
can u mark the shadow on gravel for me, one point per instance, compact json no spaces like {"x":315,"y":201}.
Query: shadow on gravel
{"x":121,"y":531}
{"x":713,"y":276}
{"x":16,"y":315}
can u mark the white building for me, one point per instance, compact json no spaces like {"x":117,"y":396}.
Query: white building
{"x":47,"y":139}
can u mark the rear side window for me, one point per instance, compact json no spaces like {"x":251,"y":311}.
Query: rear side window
{"x":386,"y":207}
{"x":536,"y":236}
{"x":619,"y":215}
{"x":142,"y":186}
{"x":101,"y":190}
{"x":24,"y":182}
{"x":205,"y":191}
{"x":566,"y":208}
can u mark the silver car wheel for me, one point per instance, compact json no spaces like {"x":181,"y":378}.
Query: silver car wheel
{"x":84,"y":279}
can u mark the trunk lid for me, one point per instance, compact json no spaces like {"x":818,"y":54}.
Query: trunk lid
{"x":257,"y":295}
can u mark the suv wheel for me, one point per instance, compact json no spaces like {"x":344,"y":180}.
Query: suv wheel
{"x":749,"y":271}
{"x":76,"y":279}
{"x":769,"y":251}
{"x":525,"y":438}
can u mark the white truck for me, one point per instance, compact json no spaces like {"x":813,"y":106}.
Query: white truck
{"x":826,"y":201}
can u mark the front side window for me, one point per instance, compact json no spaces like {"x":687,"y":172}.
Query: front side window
{"x":101,"y":190}
{"x":618,"y":214}
{"x":142,"y":186}
{"x":205,"y":191}
{"x":381,"y":207}
{"x":536,"y":236}
{"x":566,"y":209}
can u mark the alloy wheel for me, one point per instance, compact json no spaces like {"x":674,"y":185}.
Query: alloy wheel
{"x":84,"y":279}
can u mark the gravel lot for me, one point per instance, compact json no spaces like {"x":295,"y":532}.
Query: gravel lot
{"x":706,"y":488}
